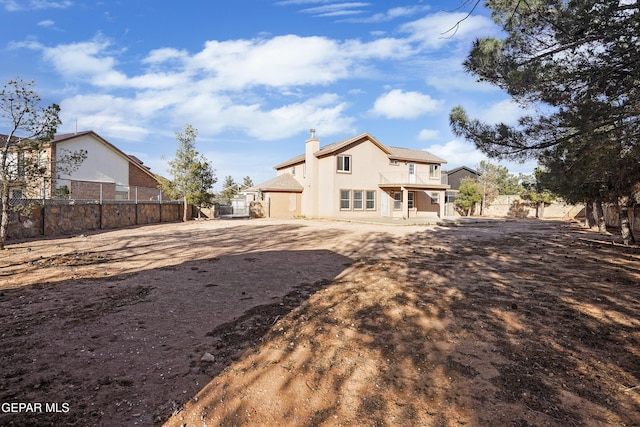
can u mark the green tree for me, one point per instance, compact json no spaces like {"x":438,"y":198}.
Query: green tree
{"x":229,"y":188}
{"x":247,"y":182}
{"x":535,"y":192}
{"x":577,"y":60}
{"x":30,"y":129}
{"x":487,"y":184}
{"x":192,"y":175}
{"x":469,"y":195}
{"x":204,"y":175}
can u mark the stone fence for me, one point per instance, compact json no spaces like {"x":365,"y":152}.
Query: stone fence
{"x":515,"y":206}
{"x":71,"y":218}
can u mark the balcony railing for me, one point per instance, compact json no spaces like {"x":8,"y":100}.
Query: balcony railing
{"x":404,"y":178}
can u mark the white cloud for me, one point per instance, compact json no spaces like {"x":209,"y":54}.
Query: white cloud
{"x":505,"y":111}
{"x":458,"y":153}
{"x":435,"y":30}
{"x":15,"y":5}
{"x":428,"y":134}
{"x":280,"y":61}
{"x":110,"y":116}
{"x":336,"y":9}
{"x":88,"y":61}
{"x":397,"y":104}
{"x":463,"y":153}
{"x":389,"y":15}
{"x":46,"y":23}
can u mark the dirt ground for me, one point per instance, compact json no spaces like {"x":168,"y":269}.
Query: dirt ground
{"x":317,"y":323}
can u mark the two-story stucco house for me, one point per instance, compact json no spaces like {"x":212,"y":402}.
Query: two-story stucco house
{"x":358,"y":177}
{"x":107,"y":171}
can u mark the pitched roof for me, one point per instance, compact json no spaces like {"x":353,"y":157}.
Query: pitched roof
{"x":473,"y":171}
{"x":284,"y":182}
{"x":336,"y":146}
{"x":394,"y":153}
{"x":292,"y":161}
{"x":399,"y":153}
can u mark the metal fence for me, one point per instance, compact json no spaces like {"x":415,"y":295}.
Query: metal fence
{"x":21,"y":201}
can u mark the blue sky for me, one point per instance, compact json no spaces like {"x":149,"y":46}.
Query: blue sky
{"x":253,"y":76}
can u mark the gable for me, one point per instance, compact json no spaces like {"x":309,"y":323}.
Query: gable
{"x":393,"y":153}
{"x":117,"y":161}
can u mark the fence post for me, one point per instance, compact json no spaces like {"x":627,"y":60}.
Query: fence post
{"x":100,"y":193}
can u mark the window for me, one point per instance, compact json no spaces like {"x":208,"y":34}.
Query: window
{"x":435,"y":198}
{"x":412,"y":168}
{"x":293,"y":170}
{"x":345,"y":199}
{"x":344,"y":163}
{"x":397,"y":201}
{"x":393,"y":162}
{"x":411,"y":200}
{"x":371,"y":200}
{"x":357,"y":199}
{"x":434,"y":171}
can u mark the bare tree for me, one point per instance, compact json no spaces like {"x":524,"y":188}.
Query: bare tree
{"x":30,"y":129}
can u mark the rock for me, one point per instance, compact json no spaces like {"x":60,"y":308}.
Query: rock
{"x":208,"y":357}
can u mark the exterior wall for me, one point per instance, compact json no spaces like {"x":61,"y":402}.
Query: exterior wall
{"x":102,"y":164}
{"x":367,"y":160}
{"x":424,"y":207}
{"x":515,"y":206}
{"x":370,"y":166}
{"x":86,"y":190}
{"x":284,"y":205}
{"x":454,"y":179}
{"x":137,"y":178}
{"x":62,"y":219}
{"x":297,"y":171}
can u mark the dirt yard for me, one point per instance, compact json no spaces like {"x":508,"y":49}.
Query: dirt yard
{"x":312,"y":323}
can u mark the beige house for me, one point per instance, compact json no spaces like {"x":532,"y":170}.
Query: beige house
{"x":356,"y":178}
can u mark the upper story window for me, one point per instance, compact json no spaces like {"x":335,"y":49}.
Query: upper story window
{"x":434,"y":171}
{"x":344,"y":164}
{"x":293,"y":170}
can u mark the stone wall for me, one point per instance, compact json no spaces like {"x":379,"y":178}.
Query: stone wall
{"x":62,"y":219}
{"x":613,"y":219}
{"x":516,"y":207}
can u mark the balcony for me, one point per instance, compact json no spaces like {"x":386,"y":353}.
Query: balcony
{"x":389,"y":179}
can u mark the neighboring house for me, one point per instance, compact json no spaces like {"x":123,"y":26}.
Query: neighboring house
{"x":453,"y":179}
{"x":106,"y":174}
{"x":356,"y":178}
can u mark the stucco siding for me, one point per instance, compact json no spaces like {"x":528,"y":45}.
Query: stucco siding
{"x":283,"y":204}
{"x":366,"y":161}
{"x":102,"y":163}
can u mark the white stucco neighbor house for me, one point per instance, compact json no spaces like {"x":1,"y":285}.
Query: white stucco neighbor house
{"x":106,"y":172}
{"x":358,"y":177}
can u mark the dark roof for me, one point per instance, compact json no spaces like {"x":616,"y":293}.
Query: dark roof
{"x":394,"y":153}
{"x":458,"y":169}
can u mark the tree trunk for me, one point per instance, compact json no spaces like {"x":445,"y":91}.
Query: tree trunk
{"x":541,"y":210}
{"x":589,"y":221}
{"x":4,"y":219}
{"x":625,"y":228}
{"x":598,"y":213}
{"x":185,"y":210}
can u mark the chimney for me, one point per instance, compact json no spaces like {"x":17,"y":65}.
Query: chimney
{"x":310,"y":179}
